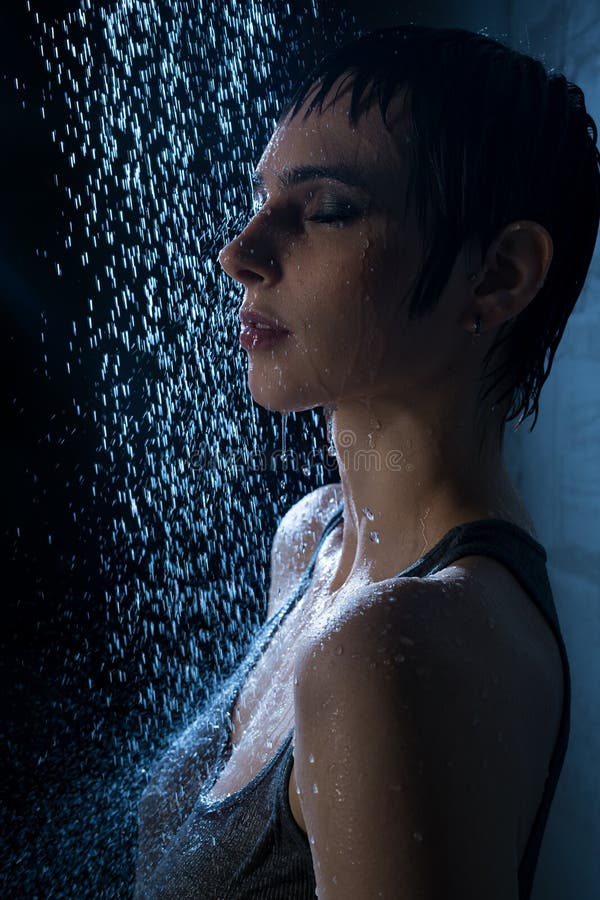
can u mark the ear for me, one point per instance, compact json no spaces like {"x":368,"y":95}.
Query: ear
{"x":512,"y":273}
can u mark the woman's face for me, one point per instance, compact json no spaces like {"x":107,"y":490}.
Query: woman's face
{"x":329,"y":256}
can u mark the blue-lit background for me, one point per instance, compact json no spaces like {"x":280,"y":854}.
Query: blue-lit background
{"x":141,"y":485}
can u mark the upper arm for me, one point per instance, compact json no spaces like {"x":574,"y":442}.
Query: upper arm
{"x":295,"y":541}
{"x":408,"y":775}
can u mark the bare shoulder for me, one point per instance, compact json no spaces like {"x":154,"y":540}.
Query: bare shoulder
{"x":450,"y":668}
{"x":296,"y":538}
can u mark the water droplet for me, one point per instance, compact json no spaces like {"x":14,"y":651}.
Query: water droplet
{"x":315,"y":789}
{"x":298,"y":791}
{"x":306,"y":470}
{"x":269,"y":744}
{"x":339,"y":650}
{"x":418,"y":836}
{"x":311,"y":759}
{"x":368,"y":513}
{"x":375,"y":537}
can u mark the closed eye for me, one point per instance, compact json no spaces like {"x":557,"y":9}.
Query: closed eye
{"x":334,"y":212}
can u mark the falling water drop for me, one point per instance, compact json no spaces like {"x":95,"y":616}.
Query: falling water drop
{"x":329,"y":427}
{"x":284,"y":417}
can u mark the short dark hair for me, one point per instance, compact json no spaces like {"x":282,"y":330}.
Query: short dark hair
{"x":496,"y":137}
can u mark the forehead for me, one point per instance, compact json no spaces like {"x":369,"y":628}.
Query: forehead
{"x":329,"y":139}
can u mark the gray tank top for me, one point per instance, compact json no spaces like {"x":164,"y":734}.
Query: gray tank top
{"x":247,"y":845}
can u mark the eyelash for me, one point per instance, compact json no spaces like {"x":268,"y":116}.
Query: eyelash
{"x":337,"y":214}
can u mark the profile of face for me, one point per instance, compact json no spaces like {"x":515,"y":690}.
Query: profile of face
{"x":330,"y":258}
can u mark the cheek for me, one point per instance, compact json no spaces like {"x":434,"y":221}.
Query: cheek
{"x":334,"y":304}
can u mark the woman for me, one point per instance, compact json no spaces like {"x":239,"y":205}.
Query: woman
{"x":427,"y":211}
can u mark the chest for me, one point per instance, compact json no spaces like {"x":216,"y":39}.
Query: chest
{"x":262,"y":715}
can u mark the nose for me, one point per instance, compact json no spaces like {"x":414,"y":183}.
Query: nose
{"x":250,"y":258}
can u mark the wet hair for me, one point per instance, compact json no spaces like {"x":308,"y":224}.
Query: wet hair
{"x":495,"y":136}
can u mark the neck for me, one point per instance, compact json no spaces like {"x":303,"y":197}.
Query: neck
{"x":408,"y":476}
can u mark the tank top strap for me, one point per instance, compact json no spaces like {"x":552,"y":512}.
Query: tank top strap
{"x":272,"y":624}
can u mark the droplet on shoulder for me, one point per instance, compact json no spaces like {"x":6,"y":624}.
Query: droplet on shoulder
{"x":375,"y":537}
{"x":315,"y":789}
{"x":368,"y":513}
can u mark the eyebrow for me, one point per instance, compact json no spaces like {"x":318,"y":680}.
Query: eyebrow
{"x":345,"y":174}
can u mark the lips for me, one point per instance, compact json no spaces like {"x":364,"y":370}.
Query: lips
{"x":251,"y":318}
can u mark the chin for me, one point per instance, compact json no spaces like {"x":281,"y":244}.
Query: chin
{"x":282,"y":398}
